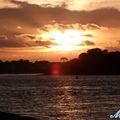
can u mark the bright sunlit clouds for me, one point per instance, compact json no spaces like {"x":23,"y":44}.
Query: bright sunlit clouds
{"x":50,"y":29}
{"x":69,"y":4}
{"x":68,"y":40}
{"x":65,"y":38}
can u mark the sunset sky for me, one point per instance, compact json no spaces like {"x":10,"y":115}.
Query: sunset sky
{"x":51,"y":29}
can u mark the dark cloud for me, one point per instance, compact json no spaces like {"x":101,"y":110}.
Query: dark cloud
{"x":11,"y":43}
{"x":5,"y":42}
{"x":45,"y":43}
{"x":33,"y":40}
{"x":23,"y":41}
{"x":88,"y":35}
{"x":87,"y":43}
{"x":3,"y":37}
{"x":31,"y":37}
{"x":16,"y":41}
{"x":36,"y":16}
{"x":20,"y":43}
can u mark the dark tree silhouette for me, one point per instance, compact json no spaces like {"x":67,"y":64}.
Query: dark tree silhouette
{"x":93,"y":62}
{"x":64,"y":59}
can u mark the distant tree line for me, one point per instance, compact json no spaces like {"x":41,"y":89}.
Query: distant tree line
{"x":23,"y":66}
{"x":93,"y":62}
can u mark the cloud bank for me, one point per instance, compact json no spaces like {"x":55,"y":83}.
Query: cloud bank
{"x":29,"y":20}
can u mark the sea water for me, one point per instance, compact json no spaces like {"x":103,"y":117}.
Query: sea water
{"x":60,"y":97}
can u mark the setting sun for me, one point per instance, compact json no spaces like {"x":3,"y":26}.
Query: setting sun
{"x":67,"y":40}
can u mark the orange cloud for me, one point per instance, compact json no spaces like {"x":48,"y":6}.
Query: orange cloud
{"x":23,"y":26}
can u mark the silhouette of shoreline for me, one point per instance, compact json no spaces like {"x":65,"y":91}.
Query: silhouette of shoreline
{"x":93,"y":62}
{"x":10,"y":116}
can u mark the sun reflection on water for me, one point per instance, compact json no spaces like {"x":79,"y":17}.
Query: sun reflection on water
{"x":66,"y":103}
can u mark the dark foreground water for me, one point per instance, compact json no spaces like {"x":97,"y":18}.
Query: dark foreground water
{"x":60,"y":97}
